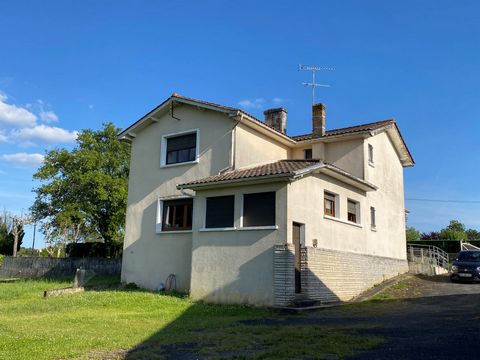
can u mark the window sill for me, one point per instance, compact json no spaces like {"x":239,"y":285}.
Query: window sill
{"x":217,"y":229}
{"x":371,"y":164}
{"x":342,"y":221}
{"x":373,"y":228}
{"x":270,"y":227}
{"x":159,"y":231}
{"x":179,"y":164}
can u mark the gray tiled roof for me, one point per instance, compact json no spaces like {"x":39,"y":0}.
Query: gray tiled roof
{"x":281,"y":167}
{"x":348,"y":130}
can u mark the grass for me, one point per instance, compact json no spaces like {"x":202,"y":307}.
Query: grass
{"x":109,"y":323}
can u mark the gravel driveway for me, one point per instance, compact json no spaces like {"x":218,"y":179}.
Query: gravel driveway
{"x":435,"y":319}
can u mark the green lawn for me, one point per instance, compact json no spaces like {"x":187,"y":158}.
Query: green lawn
{"x":108,"y":324}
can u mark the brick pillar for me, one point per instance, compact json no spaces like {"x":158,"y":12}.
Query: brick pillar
{"x":284,"y":274}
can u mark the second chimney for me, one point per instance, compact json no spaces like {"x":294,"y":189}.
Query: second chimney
{"x":318,"y":119}
{"x":277,"y":119}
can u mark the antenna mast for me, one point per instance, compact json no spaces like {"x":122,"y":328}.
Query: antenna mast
{"x":313,"y":84}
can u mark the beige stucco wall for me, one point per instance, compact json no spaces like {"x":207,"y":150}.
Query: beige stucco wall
{"x":149,"y":257}
{"x":252,"y":147}
{"x":236,"y":266}
{"x":347,"y":155}
{"x":388,"y":200}
{"x":305,"y":205}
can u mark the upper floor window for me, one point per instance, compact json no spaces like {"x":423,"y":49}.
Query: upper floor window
{"x":179,"y":148}
{"x":373,"y":221}
{"x":259,"y":209}
{"x":329,"y":204}
{"x":220,"y":211}
{"x":177,"y":215}
{"x":370,"y":153}
{"x":353,"y":212}
{"x":308,"y":154}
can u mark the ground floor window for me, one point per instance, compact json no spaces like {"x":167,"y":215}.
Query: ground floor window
{"x":259,"y":209}
{"x":373,"y":223}
{"x":220,"y":211}
{"x":177,"y":215}
{"x":353,"y":214}
{"x":329,"y":204}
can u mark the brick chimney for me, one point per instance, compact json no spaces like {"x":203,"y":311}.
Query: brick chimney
{"x":277,"y":119}
{"x":318,"y":119}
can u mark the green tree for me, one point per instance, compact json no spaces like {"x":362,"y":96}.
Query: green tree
{"x":473,"y":234}
{"x":8,"y":230}
{"x":412,"y":234}
{"x":83,"y":191}
{"x":454,"y":231}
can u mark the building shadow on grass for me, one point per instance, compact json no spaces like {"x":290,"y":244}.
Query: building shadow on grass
{"x":207,"y":330}
{"x":215,"y":331}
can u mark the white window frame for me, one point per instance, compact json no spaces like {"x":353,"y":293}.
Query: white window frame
{"x":163,"y":148}
{"x":357,"y":211}
{"x":159,"y":216}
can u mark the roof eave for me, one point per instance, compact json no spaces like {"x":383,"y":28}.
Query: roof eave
{"x":358,"y":134}
{"x":348,"y":179}
{"x":404,"y":153}
{"x":236,"y":182}
{"x":258,"y":125}
{"x":242,"y":116}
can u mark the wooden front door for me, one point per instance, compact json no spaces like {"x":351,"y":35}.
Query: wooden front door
{"x":297,"y":244}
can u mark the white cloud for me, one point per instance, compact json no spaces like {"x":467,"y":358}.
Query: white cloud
{"x":13,"y":115}
{"x":44,"y":134}
{"x":277,"y":100}
{"x":252,"y":104}
{"x":23,"y":159}
{"x":3,"y":137}
{"x":48,"y":116}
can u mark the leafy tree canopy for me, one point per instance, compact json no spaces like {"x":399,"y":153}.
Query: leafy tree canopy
{"x":83,"y":192}
{"x":454,"y":231}
{"x":473,"y":234}
{"x":412,"y":234}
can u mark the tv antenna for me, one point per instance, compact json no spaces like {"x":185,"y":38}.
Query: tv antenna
{"x":313,"y":84}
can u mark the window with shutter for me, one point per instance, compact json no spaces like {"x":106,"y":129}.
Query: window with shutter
{"x":259,"y":209}
{"x":220,"y":212}
{"x":329,"y":204}
{"x":181,"y":148}
{"x":352,"y":212}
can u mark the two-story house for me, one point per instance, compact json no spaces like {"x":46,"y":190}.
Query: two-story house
{"x":241,"y":212}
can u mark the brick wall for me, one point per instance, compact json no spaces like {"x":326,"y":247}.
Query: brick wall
{"x":329,"y":275}
{"x":284,"y":274}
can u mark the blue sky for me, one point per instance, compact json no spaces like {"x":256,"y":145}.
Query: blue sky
{"x":69,"y":65}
